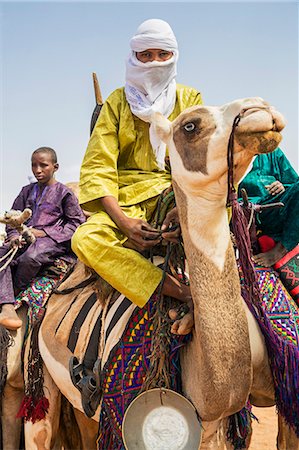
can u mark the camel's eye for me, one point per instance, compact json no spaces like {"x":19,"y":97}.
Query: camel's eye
{"x":190,"y":127}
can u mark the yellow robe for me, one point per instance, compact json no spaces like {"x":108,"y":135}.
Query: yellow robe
{"x":120,"y":162}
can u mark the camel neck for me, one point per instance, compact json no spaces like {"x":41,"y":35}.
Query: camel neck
{"x":221,"y":330}
{"x":208,"y":228}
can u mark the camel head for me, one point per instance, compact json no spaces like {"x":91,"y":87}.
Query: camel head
{"x":198,"y":139}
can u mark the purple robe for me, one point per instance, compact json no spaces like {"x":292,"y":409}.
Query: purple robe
{"x":57,"y":212}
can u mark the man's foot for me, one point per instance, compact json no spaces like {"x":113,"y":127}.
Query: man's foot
{"x":183,"y":317}
{"x":271,"y":257}
{"x":9,"y":318}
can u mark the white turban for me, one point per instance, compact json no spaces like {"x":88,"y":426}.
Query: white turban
{"x":152,"y":34}
{"x":150,"y":87}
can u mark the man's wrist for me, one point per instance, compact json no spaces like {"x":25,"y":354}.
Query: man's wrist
{"x":122,"y":221}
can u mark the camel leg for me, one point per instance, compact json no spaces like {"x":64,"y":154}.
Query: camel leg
{"x":14,"y":389}
{"x":42,"y":435}
{"x":11,"y":427}
{"x":213,"y":436}
{"x":286,"y":438}
{"x":88,"y":430}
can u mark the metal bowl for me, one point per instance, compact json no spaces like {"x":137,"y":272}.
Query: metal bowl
{"x":161,"y":419}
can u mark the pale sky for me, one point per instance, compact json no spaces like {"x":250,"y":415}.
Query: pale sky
{"x":228,"y":50}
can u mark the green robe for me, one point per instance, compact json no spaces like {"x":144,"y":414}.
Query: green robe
{"x":282,"y":224}
{"x":120,"y":162}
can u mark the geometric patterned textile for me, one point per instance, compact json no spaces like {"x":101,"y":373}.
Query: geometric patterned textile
{"x":278,"y":305}
{"x":125,"y":371}
{"x":279,"y":323}
{"x":38,"y":291}
{"x":288,"y":270}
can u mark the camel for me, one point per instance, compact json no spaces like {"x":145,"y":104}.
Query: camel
{"x":227,"y":344}
{"x":13,"y":391}
{"x":226,"y":362}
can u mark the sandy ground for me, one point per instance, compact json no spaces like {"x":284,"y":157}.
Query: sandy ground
{"x":264,"y":431}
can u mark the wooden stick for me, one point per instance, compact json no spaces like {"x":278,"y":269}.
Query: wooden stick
{"x":97,"y":90}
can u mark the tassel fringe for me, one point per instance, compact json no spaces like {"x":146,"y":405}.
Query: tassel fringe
{"x":34,"y":405}
{"x":239,"y":428}
{"x":33,"y":409}
{"x":283,"y":355}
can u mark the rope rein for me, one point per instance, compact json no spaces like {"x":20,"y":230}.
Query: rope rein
{"x":240,"y":227}
{"x":158,"y":374}
{"x":12,"y":251}
{"x":230,"y":161}
{"x":6,"y":255}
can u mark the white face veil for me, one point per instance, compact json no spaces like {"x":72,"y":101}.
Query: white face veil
{"x":150,"y":87}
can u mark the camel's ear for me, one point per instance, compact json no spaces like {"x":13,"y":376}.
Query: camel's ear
{"x":162,"y":126}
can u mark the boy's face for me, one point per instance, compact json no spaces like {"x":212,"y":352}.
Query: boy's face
{"x":43,"y":167}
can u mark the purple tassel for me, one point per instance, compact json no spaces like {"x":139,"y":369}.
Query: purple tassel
{"x":239,"y":428}
{"x":242,"y":236}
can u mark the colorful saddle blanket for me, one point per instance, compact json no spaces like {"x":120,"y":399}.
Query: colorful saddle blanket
{"x":288,"y":270}
{"x":279,"y":306}
{"x":39,"y":290}
{"x":126,"y":369}
{"x":279,"y":323}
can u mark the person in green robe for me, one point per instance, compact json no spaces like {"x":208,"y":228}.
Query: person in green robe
{"x":123,"y":172}
{"x":273,"y":179}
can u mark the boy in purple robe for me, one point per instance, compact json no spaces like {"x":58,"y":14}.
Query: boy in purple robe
{"x":55,"y":216}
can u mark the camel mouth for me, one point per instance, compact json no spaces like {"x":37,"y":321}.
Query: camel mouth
{"x":259,"y":141}
{"x":260,"y":119}
{"x":270,"y":141}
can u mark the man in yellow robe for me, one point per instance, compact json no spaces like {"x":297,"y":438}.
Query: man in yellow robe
{"x":123,"y":171}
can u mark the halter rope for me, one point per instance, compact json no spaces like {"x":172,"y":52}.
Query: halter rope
{"x":240,"y":227}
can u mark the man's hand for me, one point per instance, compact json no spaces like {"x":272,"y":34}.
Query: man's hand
{"x":275,"y":188}
{"x":172,"y":224}
{"x":141,"y":235}
{"x":38,"y":233}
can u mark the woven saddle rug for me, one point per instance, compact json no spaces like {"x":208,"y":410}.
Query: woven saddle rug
{"x":280,"y":307}
{"x":127,"y":368}
{"x":39,"y":290}
{"x":279,"y":323}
